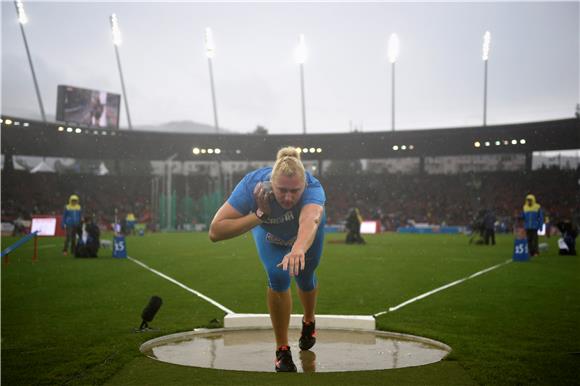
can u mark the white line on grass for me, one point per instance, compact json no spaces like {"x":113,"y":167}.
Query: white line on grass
{"x":210,"y":300}
{"x":395,"y":308}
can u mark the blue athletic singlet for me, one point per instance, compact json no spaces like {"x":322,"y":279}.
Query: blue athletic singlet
{"x":274,"y":238}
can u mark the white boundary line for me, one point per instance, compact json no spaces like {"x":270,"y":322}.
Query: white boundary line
{"x":207,"y":299}
{"x":395,"y":308}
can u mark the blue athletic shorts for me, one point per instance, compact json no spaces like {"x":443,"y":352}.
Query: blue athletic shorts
{"x":272,"y":254}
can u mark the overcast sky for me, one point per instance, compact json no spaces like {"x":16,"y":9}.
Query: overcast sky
{"x":533,"y":67}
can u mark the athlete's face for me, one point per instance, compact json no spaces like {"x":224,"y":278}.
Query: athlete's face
{"x":287,"y":190}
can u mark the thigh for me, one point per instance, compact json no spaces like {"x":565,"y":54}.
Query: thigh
{"x":271,"y":255}
{"x":307,"y":280}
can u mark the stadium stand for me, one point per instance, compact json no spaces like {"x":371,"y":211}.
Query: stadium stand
{"x":394,"y":199}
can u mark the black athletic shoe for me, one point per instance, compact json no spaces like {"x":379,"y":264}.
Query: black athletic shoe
{"x":284,"y":362}
{"x":308,"y":336}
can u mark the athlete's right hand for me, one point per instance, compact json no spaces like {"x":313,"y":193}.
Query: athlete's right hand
{"x":262,"y":197}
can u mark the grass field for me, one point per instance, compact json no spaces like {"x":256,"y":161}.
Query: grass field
{"x":69,"y":321}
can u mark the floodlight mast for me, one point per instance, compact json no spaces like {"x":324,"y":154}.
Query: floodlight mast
{"x":23,"y":19}
{"x":485,"y":56}
{"x":393,"y":53}
{"x":301,"y":54}
{"x":116,"y":34}
{"x":210,"y":53}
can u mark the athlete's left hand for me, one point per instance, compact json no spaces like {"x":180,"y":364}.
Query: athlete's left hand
{"x":294,"y":262}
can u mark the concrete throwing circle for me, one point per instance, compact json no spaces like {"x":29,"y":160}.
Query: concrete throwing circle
{"x":335,"y":350}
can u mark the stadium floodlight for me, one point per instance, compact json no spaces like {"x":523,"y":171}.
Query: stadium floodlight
{"x":486,"y":45}
{"x":477,"y":144}
{"x":393,"y":53}
{"x":217,"y":151}
{"x":522,"y":141}
{"x":395,"y":147}
{"x":300,"y":55}
{"x":301,"y":52}
{"x":209,"y":44}
{"x":210,"y":53}
{"x":116,"y":32}
{"x":485,"y":57}
{"x":23,"y":19}
{"x":195,"y":150}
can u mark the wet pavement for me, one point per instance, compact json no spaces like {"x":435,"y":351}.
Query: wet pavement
{"x":335,"y":350}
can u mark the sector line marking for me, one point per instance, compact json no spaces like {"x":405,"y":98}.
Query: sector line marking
{"x":197,"y":293}
{"x":422,"y":296}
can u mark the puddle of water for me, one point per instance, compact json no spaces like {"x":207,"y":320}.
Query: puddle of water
{"x":335,"y":350}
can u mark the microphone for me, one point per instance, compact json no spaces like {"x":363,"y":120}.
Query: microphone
{"x":149,"y":312}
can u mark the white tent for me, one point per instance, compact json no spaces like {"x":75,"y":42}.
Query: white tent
{"x":16,"y":162}
{"x":102,"y":170}
{"x":42,"y":167}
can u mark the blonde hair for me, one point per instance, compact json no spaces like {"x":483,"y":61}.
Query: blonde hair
{"x":288,"y":163}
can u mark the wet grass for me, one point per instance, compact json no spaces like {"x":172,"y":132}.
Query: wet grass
{"x":70,"y":321}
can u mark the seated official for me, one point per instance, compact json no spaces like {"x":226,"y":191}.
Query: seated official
{"x":353,"y":222}
{"x":88,"y":239}
{"x":567,"y":244}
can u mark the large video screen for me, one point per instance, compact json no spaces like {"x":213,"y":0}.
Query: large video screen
{"x":90,"y":108}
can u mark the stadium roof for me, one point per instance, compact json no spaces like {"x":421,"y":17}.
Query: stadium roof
{"x":34,"y":138}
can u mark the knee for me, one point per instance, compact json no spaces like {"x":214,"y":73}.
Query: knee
{"x":306,"y":281}
{"x":279,"y":280}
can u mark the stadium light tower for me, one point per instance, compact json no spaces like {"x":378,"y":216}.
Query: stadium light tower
{"x":393,"y":53}
{"x":116,"y":32}
{"x":23,"y":19}
{"x":485,"y":57}
{"x":301,"y":54}
{"x":210,"y":52}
